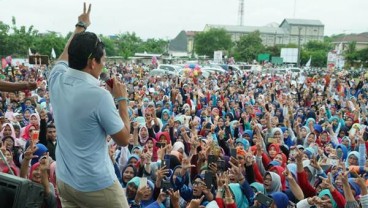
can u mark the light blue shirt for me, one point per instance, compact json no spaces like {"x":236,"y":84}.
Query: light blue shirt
{"x":84,"y":115}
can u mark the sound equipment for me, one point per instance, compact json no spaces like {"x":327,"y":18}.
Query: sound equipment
{"x":16,"y":192}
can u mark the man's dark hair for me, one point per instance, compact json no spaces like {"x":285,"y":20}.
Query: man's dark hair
{"x":39,"y":90}
{"x":84,"y":46}
{"x":51,"y":126}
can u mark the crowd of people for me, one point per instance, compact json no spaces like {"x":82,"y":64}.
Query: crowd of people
{"x":301,"y":144}
{"x":223,"y":141}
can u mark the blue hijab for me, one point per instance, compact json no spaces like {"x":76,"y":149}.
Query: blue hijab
{"x":239,"y":198}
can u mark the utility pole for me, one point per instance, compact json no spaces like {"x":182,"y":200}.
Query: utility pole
{"x":241,"y":12}
{"x":299,"y":52}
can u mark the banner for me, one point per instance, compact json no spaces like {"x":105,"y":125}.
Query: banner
{"x":217,"y":56}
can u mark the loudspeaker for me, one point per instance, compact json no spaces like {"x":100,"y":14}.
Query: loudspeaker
{"x":16,"y":192}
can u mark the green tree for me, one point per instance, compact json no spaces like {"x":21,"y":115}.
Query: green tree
{"x":205,"y":43}
{"x":4,"y":36}
{"x":20,"y":39}
{"x":319,"y":58}
{"x":363,"y":56}
{"x":317,"y":50}
{"x":351,"y":54}
{"x":155,"y":46}
{"x":318,"y":46}
{"x":248,"y":47}
{"x":111,"y":46}
{"x":274,"y":50}
{"x":43,"y":43}
{"x":128,"y":44}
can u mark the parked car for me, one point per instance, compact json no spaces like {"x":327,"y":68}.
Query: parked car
{"x":169,"y":67}
{"x":161,"y":72}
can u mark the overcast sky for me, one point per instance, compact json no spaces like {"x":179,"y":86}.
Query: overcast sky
{"x":166,"y":18}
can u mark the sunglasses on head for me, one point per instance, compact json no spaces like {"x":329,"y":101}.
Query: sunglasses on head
{"x":98,"y":43}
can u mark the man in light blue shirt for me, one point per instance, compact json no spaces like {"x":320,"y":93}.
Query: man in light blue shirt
{"x":84,"y":115}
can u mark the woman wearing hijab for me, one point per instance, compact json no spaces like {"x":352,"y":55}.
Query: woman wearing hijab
{"x":165,"y":116}
{"x":7,"y":130}
{"x":239,"y":197}
{"x":26,"y":116}
{"x":39,"y":174}
{"x":8,"y":154}
{"x":34,"y":119}
{"x":143,"y":135}
{"x":28,"y":132}
{"x":272,"y":182}
{"x":128,"y":172}
{"x":325,"y":195}
{"x":132,"y":189}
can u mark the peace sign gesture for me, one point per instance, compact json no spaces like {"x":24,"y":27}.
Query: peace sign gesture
{"x":28,"y":154}
{"x":327,"y":182}
{"x":84,"y":17}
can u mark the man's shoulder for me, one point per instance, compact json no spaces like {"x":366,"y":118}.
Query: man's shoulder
{"x":59,"y":68}
{"x":60,"y":65}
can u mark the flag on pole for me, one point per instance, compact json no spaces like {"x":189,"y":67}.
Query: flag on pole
{"x":30,"y":52}
{"x":340,"y":49}
{"x":53,"y":54}
{"x":309,"y":62}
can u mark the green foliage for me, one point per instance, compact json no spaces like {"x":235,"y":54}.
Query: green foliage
{"x":205,"y":43}
{"x":248,"y":47}
{"x":110,"y":45}
{"x":351,"y":54}
{"x":318,"y":51}
{"x":15,"y":41}
{"x":274,"y":50}
{"x":363,"y":56}
{"x":319,"y":58}
{"x":318,"y":46}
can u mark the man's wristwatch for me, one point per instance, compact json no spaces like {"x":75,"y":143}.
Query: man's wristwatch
{"x":81,"y":24}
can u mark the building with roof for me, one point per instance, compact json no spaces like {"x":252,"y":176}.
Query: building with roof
{"x":287,"y":32}
{"x":183,"y":44}
{"x":341,"y":42}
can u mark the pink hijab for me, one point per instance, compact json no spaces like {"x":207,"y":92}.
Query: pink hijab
{"x":12,"y":130}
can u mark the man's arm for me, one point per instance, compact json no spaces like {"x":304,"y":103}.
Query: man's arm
{"x":119,"y":91}
{"x":84,"y":18}
{"x":17,"y":86}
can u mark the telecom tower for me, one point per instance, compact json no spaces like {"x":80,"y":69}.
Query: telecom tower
{"x":241,"y":12}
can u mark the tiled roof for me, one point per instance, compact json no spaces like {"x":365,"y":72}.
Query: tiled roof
{"x":362,"y":37}
{"x":248,"y":29}
{"x":303,"y":22}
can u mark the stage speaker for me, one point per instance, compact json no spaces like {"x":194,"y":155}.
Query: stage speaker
{"x":16,"y":192}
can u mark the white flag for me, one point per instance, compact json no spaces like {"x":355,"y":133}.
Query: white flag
{"x":309,"y":62}
{"x":340,"y":49}
{"x":53,"y":54}
{"x":30,"y":52}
